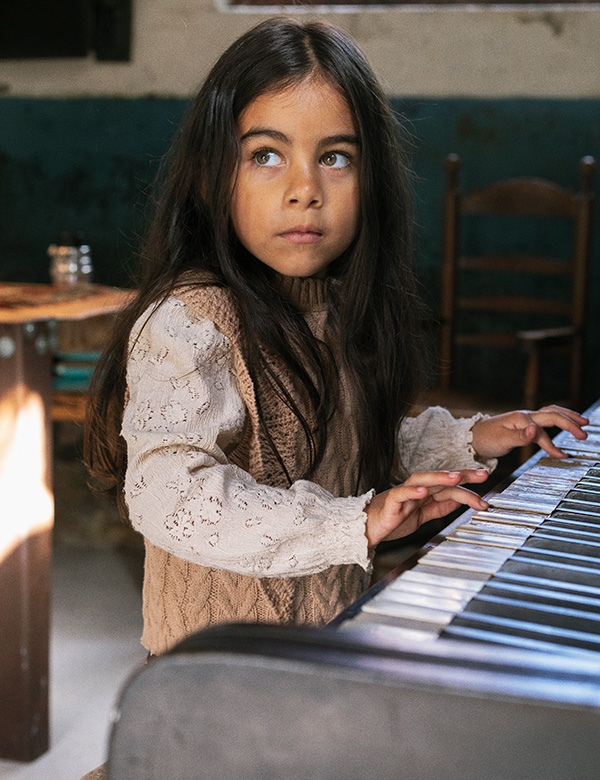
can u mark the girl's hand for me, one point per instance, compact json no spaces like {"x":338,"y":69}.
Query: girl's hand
{"x":424,"y":496}
{"x":498,"y":435}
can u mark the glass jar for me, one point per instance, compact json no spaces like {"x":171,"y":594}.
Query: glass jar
{"x":70,"y":260}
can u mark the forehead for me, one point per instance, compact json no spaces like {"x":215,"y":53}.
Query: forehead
{"x":313,"y":103}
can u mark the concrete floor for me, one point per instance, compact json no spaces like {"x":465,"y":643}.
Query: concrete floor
{"x":96,"y":625}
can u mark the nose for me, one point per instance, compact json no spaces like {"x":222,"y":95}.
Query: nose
{"x":304,"y":186}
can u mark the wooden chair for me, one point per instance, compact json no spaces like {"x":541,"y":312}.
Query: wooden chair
{"x":514,"y":299}
{"x":80,"y":344}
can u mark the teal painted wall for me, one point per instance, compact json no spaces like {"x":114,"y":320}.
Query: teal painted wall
{"x":86,"y":163}
{"x":79,"y":164}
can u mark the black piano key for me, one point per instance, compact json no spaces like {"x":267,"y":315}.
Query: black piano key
{"x":576,"y":548}
{"x":521,"y":578}
{"x":576,"y":517}
{"x":552,"y":618}
{"x":569,"y":514}
{"x":568,"y":525}
{"x":541,"y":595}
{"x":558,"y":557}
{"x":587,"y":507}
{"x":589,"y":483}
{"x":548,"y":613}
{"x":476,"y":633}
{"x":580,"y":494}
{"x":531,"y":629}
{"x":568,"y":573}
{"x":582,"y":531}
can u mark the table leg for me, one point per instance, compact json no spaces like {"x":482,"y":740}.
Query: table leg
{"x":26,"y":511}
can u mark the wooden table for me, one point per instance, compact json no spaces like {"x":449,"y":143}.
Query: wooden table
{"x":28,"y":313}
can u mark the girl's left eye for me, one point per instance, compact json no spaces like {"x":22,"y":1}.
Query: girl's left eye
{"x":335,"y":160}
{"x":266,"y":158}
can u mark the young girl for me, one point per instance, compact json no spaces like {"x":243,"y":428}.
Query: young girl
{"x":252,"y":414}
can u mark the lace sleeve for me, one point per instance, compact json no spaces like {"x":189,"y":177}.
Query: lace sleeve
{"x":184,"y":409}
{"x":435,"y":440}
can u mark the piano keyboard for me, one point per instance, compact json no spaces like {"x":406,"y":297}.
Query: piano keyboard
{"x":525,"y":572}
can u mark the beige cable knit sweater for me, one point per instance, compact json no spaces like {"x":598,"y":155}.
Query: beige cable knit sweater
{"x":227,"y":539}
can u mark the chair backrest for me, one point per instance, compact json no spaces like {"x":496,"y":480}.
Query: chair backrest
{"x":517,"y":294}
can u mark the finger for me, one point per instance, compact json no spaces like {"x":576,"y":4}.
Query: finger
{"x":569,"y":414}
{"x":403,"y":493}
{"x":443,"y":504}
{"x":557,"y":419}
{"x":579,"y":418}
{"x":545,"y":443}
{"x":461,"y":496}
{"x":399,"y":503}
{"x":432,"y":478}
{"x":401,"y":514}
{"x":443,"y":478}
{"x":474,"y":475}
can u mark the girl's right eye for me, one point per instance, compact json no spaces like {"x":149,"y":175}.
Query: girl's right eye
{"x":266,"y":158}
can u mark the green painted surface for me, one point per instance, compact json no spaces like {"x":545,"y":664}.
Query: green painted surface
{"x":79,"y":164}
{"x":86,"y":164}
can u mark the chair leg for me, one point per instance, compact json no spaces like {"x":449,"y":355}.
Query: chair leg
{"x":532,"y":377}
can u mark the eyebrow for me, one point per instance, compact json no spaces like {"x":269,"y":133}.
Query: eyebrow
{"x":341,"y":138}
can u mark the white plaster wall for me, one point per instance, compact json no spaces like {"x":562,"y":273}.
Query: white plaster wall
{"x":418,"y":51}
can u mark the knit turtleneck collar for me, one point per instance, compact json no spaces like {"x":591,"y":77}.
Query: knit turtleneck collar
{"x":306,"y":293}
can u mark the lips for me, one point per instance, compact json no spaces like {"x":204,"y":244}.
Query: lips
{"x":305,"y":234}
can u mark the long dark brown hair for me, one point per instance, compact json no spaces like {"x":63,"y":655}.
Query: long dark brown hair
{"x":374,"y":311}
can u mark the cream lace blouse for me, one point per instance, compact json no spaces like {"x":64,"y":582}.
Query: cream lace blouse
{"x":183,"y":412}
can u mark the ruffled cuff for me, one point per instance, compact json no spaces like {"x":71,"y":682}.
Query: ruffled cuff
{"x":346,"y":533}
{"x":465,"y":429}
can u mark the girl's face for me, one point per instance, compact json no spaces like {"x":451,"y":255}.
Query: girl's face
{"x":295,"y":205}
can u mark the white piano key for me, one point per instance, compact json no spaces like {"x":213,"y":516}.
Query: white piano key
{"x":512,"y":517}
{"x":451,"y":548}
{"x":553,"y":479}
{"x":435,"y":602}
{"x":389,"y":620}
{"x":378,"y":627}
{"x":558,"y":468}
{"x":534,"y":496}
{"x":432,"y":598}
{"x":487,"y":540}
{"x":465,"y":561}
{"x":475,"y":525}
{"x":524,"y":501}
{"x":443,"y":579}
{"x":437,"y":589}
{"x":466,"y":565}
{"x":398,"y":610}
{"x":581,"y":452}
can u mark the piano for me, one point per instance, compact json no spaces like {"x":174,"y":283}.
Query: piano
{"x":524,"y":573}
{"x":478,"y":659}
